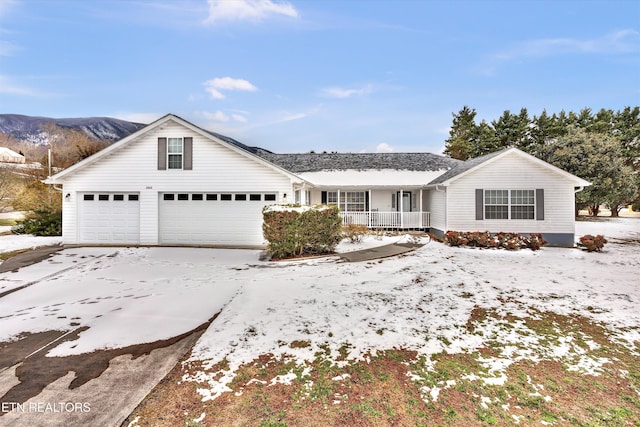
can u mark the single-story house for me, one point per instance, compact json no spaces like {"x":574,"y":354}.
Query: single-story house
{"x":174,"y":183}
{"x":7,"y":155}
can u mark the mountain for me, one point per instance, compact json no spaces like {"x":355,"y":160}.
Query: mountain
{"x":30,"y":128}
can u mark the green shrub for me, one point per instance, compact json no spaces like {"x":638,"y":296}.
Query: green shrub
{"x":41,"y":222}
{"x":293,"y":230}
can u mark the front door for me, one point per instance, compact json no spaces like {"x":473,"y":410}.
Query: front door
{"x":406,"y":201}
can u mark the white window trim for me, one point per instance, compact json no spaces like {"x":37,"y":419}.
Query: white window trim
{"x":509,"y":204}
{"x":181,"y":153}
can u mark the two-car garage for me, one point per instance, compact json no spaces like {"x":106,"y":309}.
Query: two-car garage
{"x":184,"y":218}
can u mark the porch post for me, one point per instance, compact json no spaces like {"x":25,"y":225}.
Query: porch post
{"x":338,"y":198}
{"x":369,"y":216}
{"x":420,"y":208}
{"x":401,"y":208}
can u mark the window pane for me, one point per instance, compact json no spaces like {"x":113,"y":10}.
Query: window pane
{"x":133,"y":197}
{"x":354,"y":201}
{"x":496,"y":197}
{"x":212,"y":197}
{"x":174,"y":146}
{"x":175,"y":161}
{"x":88,"y":197}
{"x":496,"y":212}
{"x":522,"y":197}
{"x":241,"y":197}
{"x":255,"y":197}
{"x":168,"y":196}
{"x":225,"y":197}
{"x":103,"y":197}
{"x":332,"y":197}
{"x":522,"y":212}
{"x":118,"y":197}
{"x":196,"y":197}
{"x":183,"y":196}
{"x":270,"y":197}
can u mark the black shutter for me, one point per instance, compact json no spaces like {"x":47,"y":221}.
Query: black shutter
{"x":366,"y":200}
{"x":324,"y":198}
{"x":540,"y":204}
{"x":162,"y":153}
{"x":188,"y":153}
{"x":479,"y":204}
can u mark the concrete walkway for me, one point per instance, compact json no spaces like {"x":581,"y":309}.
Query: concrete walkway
{"x":378,"y":252}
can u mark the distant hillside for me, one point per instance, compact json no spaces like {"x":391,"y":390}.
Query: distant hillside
{"x":29,"y":128}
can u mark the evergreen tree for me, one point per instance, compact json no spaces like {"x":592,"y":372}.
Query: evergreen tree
{"x":512,"y":130}
{"x":462,"y":135}
{"x":484,"y":139}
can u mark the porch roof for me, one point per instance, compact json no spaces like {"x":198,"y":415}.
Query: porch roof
{"x":371,"y":178}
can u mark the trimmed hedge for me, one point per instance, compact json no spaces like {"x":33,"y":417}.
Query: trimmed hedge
{"x":293,"y":230}
{"x":485,"y":239}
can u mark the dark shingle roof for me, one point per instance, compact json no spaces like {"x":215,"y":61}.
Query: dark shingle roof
{"x":252,"y":150}
{"x":465,"y":166}
{"x":314,"y":162}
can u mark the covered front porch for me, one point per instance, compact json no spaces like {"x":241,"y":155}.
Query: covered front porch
{"x":387,"y":220}
{"x":381,"y":207}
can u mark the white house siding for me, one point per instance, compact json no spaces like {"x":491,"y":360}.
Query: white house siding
{"x":133,"y":168}
{"x":508,"y":173}
{"x":436,"y":206}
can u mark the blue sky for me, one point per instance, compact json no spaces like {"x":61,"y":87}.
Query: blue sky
{"x":317,"y":75}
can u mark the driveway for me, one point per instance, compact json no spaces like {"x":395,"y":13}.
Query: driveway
{"x":86,"y":333}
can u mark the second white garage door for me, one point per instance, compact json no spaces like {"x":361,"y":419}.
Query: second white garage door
{"x":230,"y":219}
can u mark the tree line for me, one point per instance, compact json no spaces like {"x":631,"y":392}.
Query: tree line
{"x":601,"y":147}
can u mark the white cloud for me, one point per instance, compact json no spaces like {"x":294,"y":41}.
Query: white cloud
{"x":383,"y":147}
{"x":342,"y":93}
{"x":222,"y":117}
{"x":9,"y":87}
{"x":249,"y":10}
{"x":618,"y":42}
{"x":218,"y":116}
{"x":215,"y":86}
{"x":144,"y":118}
{"x":7,"y":48}
{"x":5,"y":5}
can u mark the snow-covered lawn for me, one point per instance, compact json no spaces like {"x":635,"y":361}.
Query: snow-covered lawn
{"x":421,"y":301}
{"x":14,"y":242}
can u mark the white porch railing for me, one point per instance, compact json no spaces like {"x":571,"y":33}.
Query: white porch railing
{"x":387,"y":219}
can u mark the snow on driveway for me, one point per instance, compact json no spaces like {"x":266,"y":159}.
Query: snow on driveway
{"x":125,"y":296}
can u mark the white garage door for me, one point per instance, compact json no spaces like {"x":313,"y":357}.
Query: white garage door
{"x":233,"y":219}
{"x":109,"y":218}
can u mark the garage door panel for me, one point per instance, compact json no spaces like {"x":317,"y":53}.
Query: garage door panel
{"x":212,"y":221}
{"x":109,"y":218}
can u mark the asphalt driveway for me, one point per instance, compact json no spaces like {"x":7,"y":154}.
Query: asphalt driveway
{"x":86,"y":333}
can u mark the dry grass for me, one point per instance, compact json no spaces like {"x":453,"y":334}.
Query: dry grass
{"x":395,"y":387}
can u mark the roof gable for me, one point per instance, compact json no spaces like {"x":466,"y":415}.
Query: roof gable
{"x":222,"y":140}
{"x":473,"y":164}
